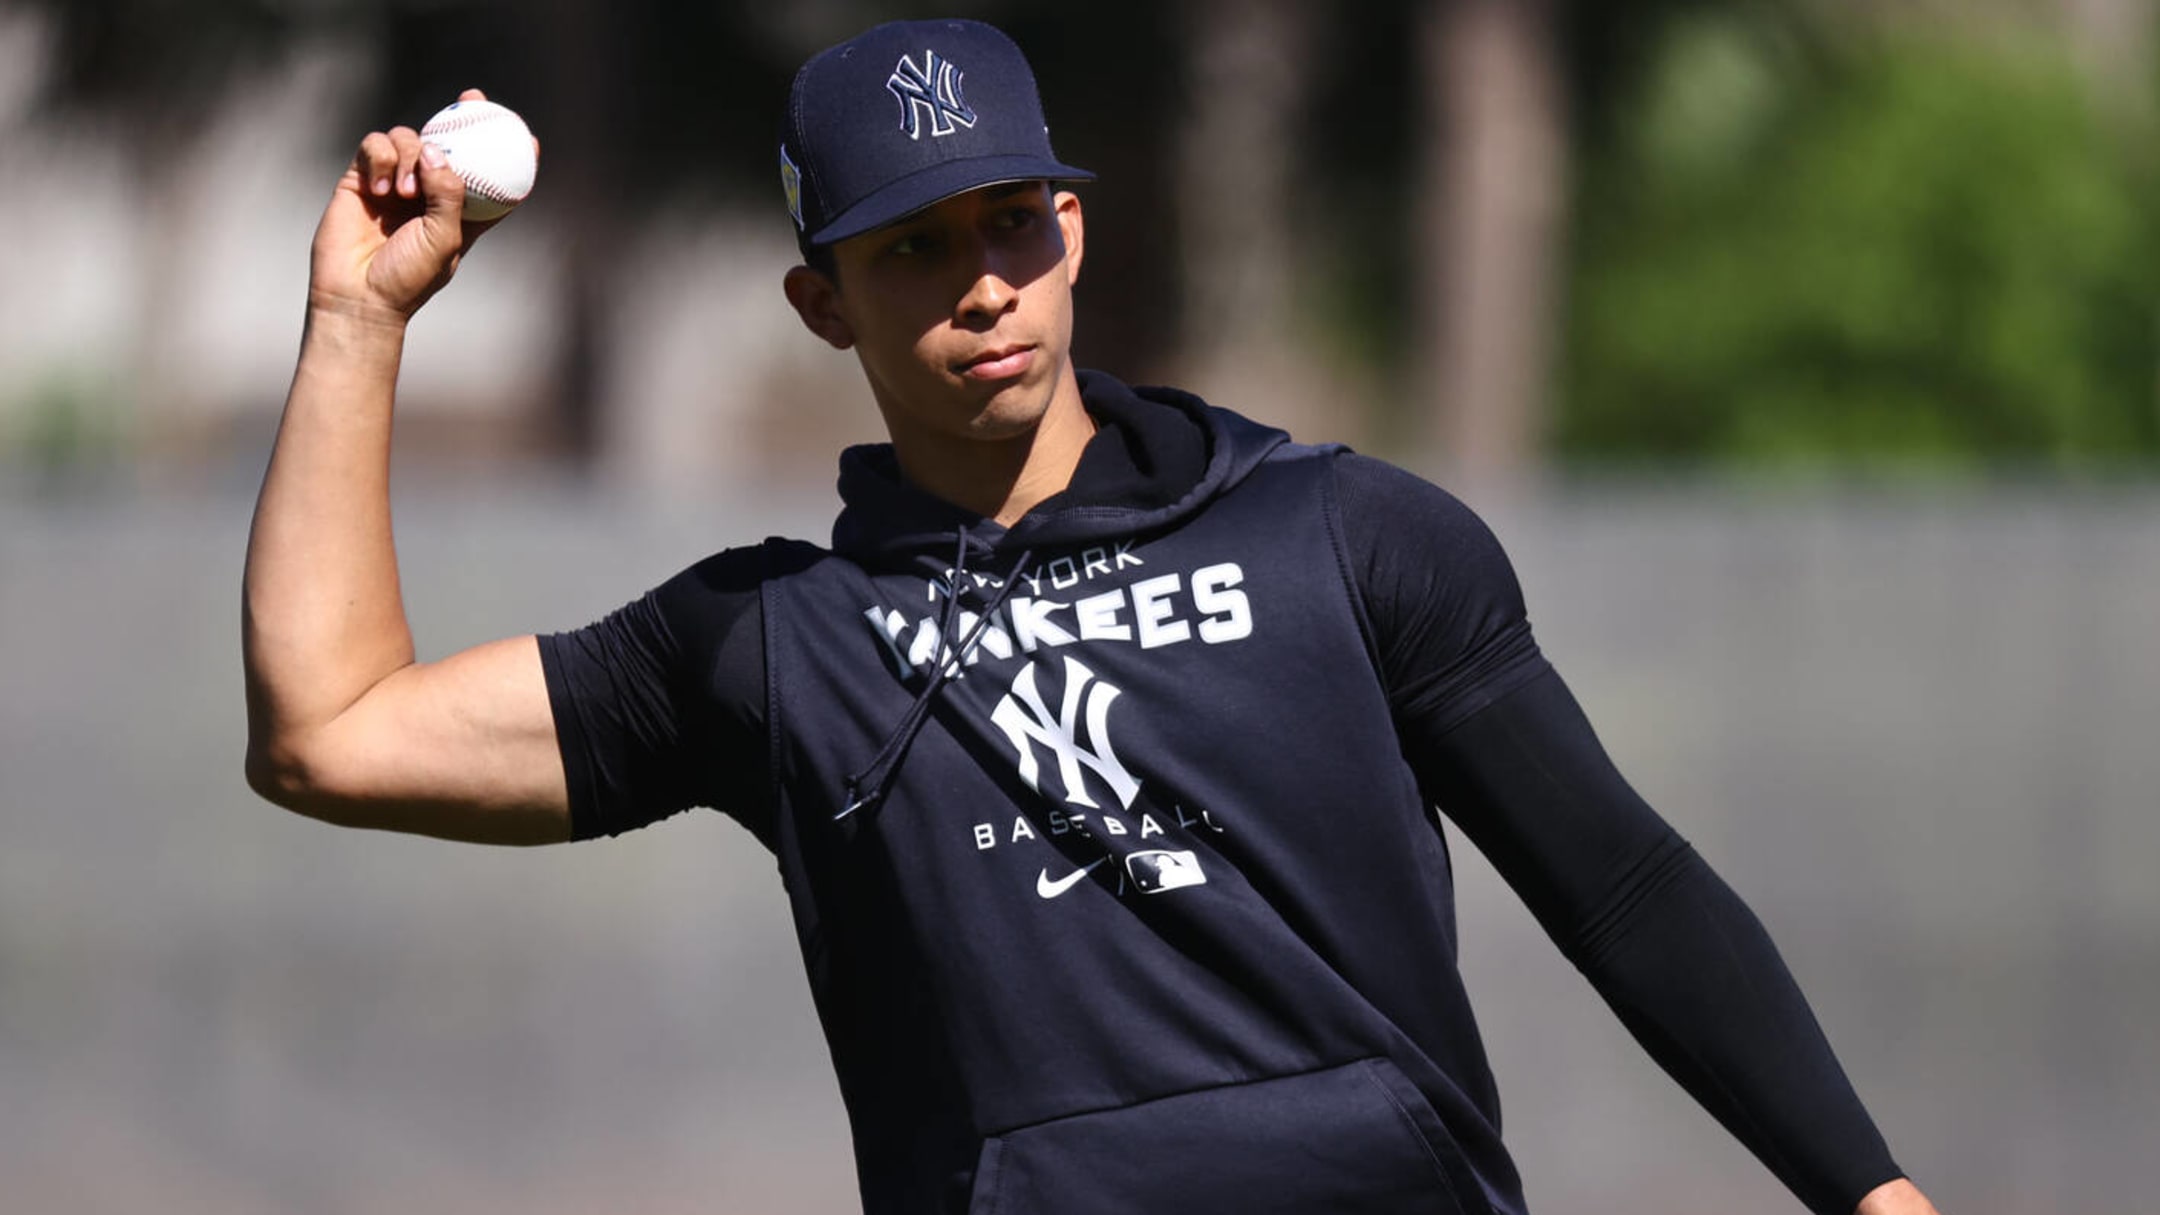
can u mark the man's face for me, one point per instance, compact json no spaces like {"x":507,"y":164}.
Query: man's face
{"x":960,"y":314}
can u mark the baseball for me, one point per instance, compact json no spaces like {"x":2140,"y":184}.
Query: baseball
{"x":491,"y":148}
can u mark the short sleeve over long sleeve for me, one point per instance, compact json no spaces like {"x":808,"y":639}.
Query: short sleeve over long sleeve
{"x":660,"y":706}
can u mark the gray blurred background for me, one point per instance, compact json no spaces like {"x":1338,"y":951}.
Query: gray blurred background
{"x":1803,"y":353}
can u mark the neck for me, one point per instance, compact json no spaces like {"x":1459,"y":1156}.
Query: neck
{"x":1001,"y":478}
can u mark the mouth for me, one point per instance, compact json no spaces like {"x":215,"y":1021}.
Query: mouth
{"x":1001,"y":363}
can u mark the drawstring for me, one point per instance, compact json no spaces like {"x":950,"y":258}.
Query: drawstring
{"x":886,"y":764}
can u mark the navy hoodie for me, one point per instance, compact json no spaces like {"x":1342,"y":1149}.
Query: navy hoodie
{"x":1114,"y":863}
{"x":1151,"y":914}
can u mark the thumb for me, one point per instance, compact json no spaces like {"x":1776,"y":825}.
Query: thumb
{"x":444,"y":194}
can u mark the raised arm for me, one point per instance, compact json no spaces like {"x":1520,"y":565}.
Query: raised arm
{"x":343,"y":725}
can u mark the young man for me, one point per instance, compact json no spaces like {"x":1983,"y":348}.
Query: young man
{"x":1098,"y":751}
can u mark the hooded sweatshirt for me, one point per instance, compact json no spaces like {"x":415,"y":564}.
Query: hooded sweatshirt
{"x":1110,"y":836}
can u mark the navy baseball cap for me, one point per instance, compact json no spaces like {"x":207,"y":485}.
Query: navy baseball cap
{"x":906,"y":115}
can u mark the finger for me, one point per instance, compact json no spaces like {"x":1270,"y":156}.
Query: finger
{"x":377,"y":162}
{"x":407,"y":142}
{"x":472,"y":95}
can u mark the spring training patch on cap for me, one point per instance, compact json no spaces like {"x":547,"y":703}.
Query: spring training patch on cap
{"x":791,"y":182}
{"x":932,"y":91}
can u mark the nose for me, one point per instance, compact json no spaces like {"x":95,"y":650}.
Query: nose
{"x":990,"y":295}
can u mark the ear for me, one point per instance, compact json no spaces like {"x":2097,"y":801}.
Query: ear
{"x":1069,"y":223}
{"x":816,"y":300}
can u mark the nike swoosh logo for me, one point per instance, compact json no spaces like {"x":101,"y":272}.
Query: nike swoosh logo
{"x":1050,"y":890}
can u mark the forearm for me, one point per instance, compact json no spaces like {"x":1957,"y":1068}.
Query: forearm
{"x":1679,"y":957}
{"x":323,"y":620}
{"x":1691,"y":972}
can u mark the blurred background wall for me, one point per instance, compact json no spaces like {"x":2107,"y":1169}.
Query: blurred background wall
{"x":1803,"y":352}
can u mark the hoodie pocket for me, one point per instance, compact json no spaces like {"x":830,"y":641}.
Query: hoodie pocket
{"x":1352,"y":1140}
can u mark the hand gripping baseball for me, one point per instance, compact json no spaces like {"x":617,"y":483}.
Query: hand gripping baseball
{"x":394,"y":230}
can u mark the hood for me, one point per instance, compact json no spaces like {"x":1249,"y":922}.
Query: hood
{"x":1158,"y":456}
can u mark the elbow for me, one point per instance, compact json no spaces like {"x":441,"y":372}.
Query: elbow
{"x":281,"y":774}
{"x":276,"y":773}
{"x":310,"y":782}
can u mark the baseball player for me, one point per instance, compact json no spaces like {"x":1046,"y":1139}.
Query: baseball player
{"x":1099,"y":749}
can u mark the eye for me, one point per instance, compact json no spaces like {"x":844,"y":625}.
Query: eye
{"x":1016,"y":218}
{"x":912,"y":244}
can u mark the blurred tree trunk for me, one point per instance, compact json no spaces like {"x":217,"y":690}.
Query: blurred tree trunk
{"x":2116,"y":38}
{"x":1493,"y":198}
{"x":580,"y":47}
{"x":1236,"y":156}
{"x":157,"y":378}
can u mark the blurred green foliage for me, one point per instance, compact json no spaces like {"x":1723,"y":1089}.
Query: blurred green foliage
{"x":69,"y":419}
{"x":1911,"y":253}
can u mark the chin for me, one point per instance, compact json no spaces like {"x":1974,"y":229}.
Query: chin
{"x":1013,"y":411}
{"x":999,"y":423}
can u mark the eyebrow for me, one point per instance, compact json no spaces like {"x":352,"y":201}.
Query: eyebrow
{"x":996,"y":193}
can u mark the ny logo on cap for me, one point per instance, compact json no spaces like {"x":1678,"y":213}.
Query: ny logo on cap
{"x":933,"y":90}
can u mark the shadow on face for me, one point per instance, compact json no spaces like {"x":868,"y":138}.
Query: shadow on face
{"x":965,"y":261}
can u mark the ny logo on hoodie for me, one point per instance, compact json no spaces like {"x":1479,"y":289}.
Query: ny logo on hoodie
{"x":1026,"y":720}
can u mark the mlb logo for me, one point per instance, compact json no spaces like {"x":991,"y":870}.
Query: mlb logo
{"x":1157,"y":871}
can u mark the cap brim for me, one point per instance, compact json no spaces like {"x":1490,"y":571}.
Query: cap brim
{"x":900,"y":199}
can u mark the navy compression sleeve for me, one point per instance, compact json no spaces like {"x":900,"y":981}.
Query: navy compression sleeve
{"x":1500,"y":745}
{"x":660,"y":705}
